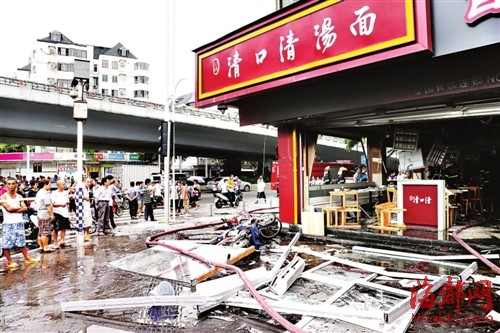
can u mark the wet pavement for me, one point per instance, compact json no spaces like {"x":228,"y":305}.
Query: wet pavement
{"x":30,"y":297}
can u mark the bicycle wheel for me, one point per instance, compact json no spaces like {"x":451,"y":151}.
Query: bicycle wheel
{"x":119,"y":211}
{"x":125,"y":204}
{"x":270,"y":225}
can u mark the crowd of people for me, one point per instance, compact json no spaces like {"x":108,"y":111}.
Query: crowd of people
{"x":53,"y":200}
{"x":359,"y":175}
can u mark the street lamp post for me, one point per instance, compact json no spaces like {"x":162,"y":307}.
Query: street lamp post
{"x":80,"y":81}
{"x":173,"y":145}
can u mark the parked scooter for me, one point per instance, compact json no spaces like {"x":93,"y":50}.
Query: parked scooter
{"x":222,"y":200}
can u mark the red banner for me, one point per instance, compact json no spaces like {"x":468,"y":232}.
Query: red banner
{"x":327,"y":33}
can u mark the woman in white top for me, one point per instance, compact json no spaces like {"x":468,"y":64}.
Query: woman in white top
{"x":13,"y":235}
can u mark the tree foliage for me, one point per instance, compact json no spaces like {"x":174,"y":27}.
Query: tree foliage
{"x":9,"y":148}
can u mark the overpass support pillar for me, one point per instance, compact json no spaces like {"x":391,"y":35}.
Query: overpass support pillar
{"x":296,"y":152}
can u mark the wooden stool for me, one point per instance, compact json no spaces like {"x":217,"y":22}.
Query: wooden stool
{"x":351,"y":205}
{"x":329,"y":212}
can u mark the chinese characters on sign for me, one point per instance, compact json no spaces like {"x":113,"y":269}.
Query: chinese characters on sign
{"x":477,"y":9}
{"x":326,"y":33}
{"x":478,"y":295}
{"x":417,"y":200}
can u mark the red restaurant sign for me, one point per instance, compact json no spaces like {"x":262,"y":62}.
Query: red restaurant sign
{"x":328,"y":33}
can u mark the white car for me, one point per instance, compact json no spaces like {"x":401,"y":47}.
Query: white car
{"x":244,"y":187}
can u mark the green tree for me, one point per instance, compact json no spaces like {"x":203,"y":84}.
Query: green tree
{"x":349,"y":144}
{"x":8,"y":148}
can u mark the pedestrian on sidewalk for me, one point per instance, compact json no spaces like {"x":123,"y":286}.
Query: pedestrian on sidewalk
{"x":131,"y":196}
{"x":102,"y":196}
{"x":87,"y":211}
{"x":45,"y":214}
{"x":261,"y":190}
{"x":13,"y":224}
{"x":148,"y":203}
{"x":185,"y":197}
{"x":60,"y":203}
{"x":140,"y":197}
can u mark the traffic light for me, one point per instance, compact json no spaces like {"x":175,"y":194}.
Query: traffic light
{"x":163,"y":139}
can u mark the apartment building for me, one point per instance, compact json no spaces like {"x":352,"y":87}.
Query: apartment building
{"x":114,"y":71}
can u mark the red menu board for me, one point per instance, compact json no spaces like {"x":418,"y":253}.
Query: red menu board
{"x":421,"y":204}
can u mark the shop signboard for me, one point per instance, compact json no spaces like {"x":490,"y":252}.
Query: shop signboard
{"x":423,"y":202}
{"x":316,"y":39}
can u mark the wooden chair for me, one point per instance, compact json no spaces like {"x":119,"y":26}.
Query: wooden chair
{"x":475,"y":198}
{"x":332,"y":211}
{"x":392,"y":198}
{"x":351,"y":205}
{"x":451,"y":208}
{"x":384,"y":212}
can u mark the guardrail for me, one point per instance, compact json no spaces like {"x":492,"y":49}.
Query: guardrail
{"x":186,"y":110}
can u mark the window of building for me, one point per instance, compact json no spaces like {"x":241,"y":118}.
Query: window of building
{"x":141,"y":93}
{"x":105,"y":64}
{"x":95,"y":68}
{"x":64,"y":83}
{"x":123,"y":77}
{"x":51,"y":81}
{"x":104,"y":91}
{"x":114,"y":79}
{"x":123,"y":52}
{"x":37,"y":167}
{"x":65,"y":67}
{"x":114,"y":93}
{"x":55,"y":36}
{"x":51,"y":66}
{"x":123,"y":92}
{"x":95,"y":81}
{"x":114,"y":64}
{"x":104,"y":78}
{"x":63,"y":51}
{"x":141,"y":79}
{"x":78,"y":53}
{"x":141,"y":66}
{"x":52,"y":50}
{"x":123,"y":63}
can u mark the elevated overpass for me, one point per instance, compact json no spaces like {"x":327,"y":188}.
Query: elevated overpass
{"x":39,"y":114}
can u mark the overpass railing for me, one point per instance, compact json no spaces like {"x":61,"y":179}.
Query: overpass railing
{"x":186,"y":110}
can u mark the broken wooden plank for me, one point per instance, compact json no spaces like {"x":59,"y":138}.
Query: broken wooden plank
{"x":231,"y":261}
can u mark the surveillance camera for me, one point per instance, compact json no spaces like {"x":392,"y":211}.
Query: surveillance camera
{"x":73,"y":93}
{"x":222,"y":108}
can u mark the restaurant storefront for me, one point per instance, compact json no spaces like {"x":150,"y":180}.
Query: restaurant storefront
{"x":420,"y":77}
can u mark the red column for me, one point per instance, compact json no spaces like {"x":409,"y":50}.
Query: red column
{"x":289,"y":175}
